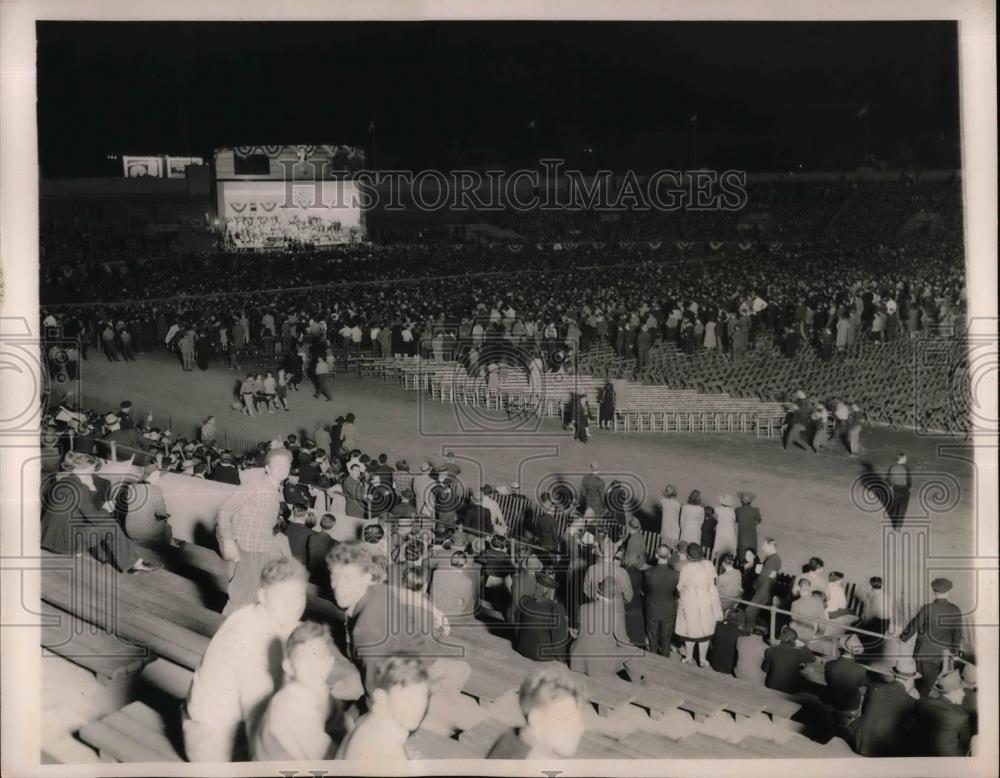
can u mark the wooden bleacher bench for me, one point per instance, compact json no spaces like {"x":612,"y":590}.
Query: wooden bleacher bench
{"x":136,"y":733}
{"x":107,"y":656}
{"x":123,"y":610}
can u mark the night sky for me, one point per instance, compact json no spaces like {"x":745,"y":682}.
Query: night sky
{"x":768,"y":96}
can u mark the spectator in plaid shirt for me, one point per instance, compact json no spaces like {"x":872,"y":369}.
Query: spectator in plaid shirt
{"x":247,"y":528}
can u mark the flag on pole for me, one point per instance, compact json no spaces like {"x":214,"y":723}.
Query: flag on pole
{"x":864,"y":111}
{"x":531,"y":124}
{"x":371,"y":126}
{"x":693,"y":119}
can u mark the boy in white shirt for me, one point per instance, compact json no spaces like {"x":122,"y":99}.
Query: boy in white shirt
{"x":294,"y":726}
{"x":398,"y":695}
{"x":242,"y":667}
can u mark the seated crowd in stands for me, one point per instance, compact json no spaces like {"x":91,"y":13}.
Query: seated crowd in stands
{"x":578,"y":579}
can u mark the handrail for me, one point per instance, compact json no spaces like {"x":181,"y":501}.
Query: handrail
{"x":775,"y":610}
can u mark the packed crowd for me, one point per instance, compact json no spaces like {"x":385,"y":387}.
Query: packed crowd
{"x":823,"y":298}
{"x":280,"y":230}
{"x":573,"y":577}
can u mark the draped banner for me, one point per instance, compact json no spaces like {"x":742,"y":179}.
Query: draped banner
{"x":746,"y":246}
{"x":716,"y":244}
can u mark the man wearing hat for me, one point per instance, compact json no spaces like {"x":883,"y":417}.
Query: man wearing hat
{"x":83,"y":437}
{"x":844,"y":679}
{"x":606,"y":566}
{"x":592,"y":489}
{"x":661,"y":601}
{"x":128,"y":443}
{"x":938,"y":628}
{"x":881,"y":729}
{"x":940,"y":725}
{"x":542,"y":626}
{"x":747,"y":520}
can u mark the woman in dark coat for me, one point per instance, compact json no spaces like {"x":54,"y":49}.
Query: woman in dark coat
{"x":74,"y":519}
{"x":606,"y":397}
{"x":581,"y":418}
{"x":203,"y":350}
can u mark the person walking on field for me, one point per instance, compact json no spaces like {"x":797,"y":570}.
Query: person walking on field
{"x":900,"y":482}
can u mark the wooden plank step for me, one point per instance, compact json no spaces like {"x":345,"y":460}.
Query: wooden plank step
{"x":483,"y":736}
{"x":430,"y":745}
{"x":105,"y":654}
{"x":167,"y":639}
{"x":169,"y":677}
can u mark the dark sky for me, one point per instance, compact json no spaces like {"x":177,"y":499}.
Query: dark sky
{"x":767,"y":95}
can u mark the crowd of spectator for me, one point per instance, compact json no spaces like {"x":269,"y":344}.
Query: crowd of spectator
{"x":574,"y":577}
{"x":283,"y":230}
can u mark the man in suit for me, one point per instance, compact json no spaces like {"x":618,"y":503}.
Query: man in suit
{"x":940,"y":725}
{"x":747,"y":519}
{"x":355,"y":492}
{"x":455,"y":589}
{"x":319,"y":544}
{"x":592,"y":490}
{"x":661,"y":601}
{"x":881,"y":729}
{"x":542,"y":629}
{"x":547,"y":525}
{"x":784,"y":662}
{"x":295,"y":493}
{"x":477,"y":517}
{"x":938,"y":628}
{"x":900,"y":482}
{"x":225,"y":470}
{"x":127,"y":443}
{"x":845,"y":679}
{"x":763,"y":585}
{"x":382,"y":469}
